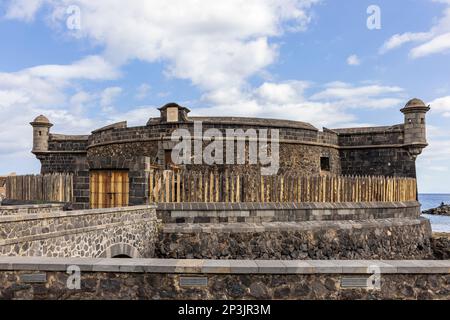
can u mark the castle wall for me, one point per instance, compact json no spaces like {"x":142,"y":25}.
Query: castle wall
{"x":303,"y":149}
{"x":375,"y":151}
{"x":300,"y":145}
{"x":67,"y":154}
{"x":378,"y":162}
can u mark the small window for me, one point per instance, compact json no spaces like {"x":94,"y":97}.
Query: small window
{"x":325,"y":163}
{"x":40,"y":133}
{"x":422,"y":120}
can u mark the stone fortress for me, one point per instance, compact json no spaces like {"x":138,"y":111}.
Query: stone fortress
{"x":224,"y":250}
{"x":375,"y":151}
{"x":391,"y":229}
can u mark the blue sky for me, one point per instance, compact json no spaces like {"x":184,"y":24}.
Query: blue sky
{"x":306,"y":60}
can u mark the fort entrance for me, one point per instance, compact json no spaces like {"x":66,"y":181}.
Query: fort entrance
{"x":108,"y":188}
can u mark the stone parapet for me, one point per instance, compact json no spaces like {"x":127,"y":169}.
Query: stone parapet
{"x":271,"y":212}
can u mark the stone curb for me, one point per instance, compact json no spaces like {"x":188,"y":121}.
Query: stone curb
{"x":190,"y":266}
{"x":192,"y":228}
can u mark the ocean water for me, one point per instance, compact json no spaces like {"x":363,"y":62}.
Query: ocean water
{"x":429,"y":201}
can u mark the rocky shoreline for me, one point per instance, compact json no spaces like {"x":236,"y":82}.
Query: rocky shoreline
{"x":442,"y":210}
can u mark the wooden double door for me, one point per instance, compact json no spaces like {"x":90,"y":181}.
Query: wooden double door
{"x":108,"y":188}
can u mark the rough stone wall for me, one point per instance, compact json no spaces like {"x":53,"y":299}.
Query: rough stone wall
{"x":303,"y":159}
{"x":67,"y":143}
{"x":370,"y":239}
{"x":378,"y":162}
{"x":79,"y":233}
{"x":58,"y":162}
{"x":134,"y":286}
{"x":388,"y":159}
{"x":393,"y":135}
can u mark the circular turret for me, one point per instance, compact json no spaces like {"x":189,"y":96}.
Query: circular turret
{"x":415,"y":105}
{"x":415,"y":128}
{"x":41,"y":131}
{"x":41,"y":120}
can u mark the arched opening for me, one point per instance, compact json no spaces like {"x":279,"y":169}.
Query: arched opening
{"x":121,"y":256}
{"x":120,"y":251}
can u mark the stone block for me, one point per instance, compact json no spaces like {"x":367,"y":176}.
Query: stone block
{"x":243,"y":266}
{"x":298,"y":267}
{"x":189,"y":266}
{"x":216,"y":266}
{"x":271,"y":266}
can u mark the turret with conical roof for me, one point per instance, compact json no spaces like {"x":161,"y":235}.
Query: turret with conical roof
{"x":415,"y":126}
{"x":41,"y":131}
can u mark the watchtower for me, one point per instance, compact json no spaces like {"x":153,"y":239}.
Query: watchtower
{"x":415,"y":137}
{"x":41,"y":130}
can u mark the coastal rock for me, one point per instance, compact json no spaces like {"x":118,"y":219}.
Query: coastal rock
{"x":442,"y":210}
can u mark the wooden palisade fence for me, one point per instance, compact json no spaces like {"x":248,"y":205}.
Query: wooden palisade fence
{"x":170,"y":186}
{"x":56,"y":187}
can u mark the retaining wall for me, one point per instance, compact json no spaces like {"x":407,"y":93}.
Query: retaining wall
{"x":369,"y":239}
{"x":391,"y":230}
{"x":44,"y":278}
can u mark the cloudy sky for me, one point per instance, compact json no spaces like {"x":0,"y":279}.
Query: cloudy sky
{"x":86,"y":63}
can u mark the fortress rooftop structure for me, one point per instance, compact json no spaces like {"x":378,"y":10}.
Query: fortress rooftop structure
{"x":380,"y":151}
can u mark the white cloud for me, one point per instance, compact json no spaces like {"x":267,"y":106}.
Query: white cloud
{"x":353,"y":60}
{"x":441,"y":105}
{"x":214,"y":44}
{"x":136,"y":117}
{"x":142,"y":91}
{"x":373,"y":95}
{"x":436,"y":40}
{"x":397,"y":40}
{"x":108,"y":97}
{"x":23,"y":9}
{"x":52,"y":90}
{"x":89,"y":68}
{"x":282,"y":93}
{"x":436,"y":45}
{"x":331,"y":107}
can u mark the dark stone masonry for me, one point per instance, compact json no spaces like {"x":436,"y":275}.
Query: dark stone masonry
{"x":384,"y":151}
{"x":293,"y":231}
{"x":135,"y":279}
{"x":381,"y":239}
